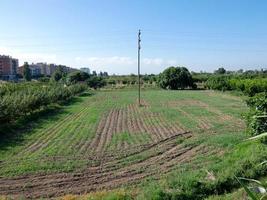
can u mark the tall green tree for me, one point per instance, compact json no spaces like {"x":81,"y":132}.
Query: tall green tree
{"x":96,"y":82}
{"x":59,"y":74}
{"x":26,"y":72}
{"x":175,"y":78}
{"x":77,"y":76}
{"x":221,"y":70}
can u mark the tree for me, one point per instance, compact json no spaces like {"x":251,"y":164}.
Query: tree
{"x":101,"y":74}
{"x":221,"y":70}
{"x":94,"y":73}
{"x":77,"y":76}
{"x":174,"y":78}
{"x":96,"y":82}
{"x":26,"y":72}
{"x":105,"y":74}
{"x":59,"y":73}
{"x":84,"y":76}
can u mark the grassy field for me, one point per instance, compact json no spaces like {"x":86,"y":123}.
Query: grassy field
{"x":106,"y":141}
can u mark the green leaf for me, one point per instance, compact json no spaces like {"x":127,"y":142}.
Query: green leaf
{"x":253,"y":196}
{"x":263,"y":197}
{"x":251,"y":180}
{"x":263,"y":163}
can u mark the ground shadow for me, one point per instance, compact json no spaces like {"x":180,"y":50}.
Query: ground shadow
{"x":14,"y":134}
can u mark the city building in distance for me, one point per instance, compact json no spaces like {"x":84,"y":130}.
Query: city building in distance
{"x":44,"y":69}
{"x":8,"y":68}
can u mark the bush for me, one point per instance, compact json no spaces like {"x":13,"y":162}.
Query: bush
{"x":96,"y":82}
{"x":249,"y":86}
{"x":256,"y":117}
{"x":218,"y":83}
{"x":175,"y":78}
{"x":77,"y":76}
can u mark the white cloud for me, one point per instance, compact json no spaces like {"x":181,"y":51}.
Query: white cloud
{"x":153,"y":61}
{"x":125,"y":61}
{"x":115,"y":60}
{"x":124,"y":65}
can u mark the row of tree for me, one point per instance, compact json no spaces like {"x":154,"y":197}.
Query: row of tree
{"x":172,"y":78}
{"x":24,"y":99}
{"x":249,"y":87}
{"x":60,"y":76}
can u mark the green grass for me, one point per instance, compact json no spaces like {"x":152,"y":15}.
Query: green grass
{"x":128,"y":138}
{"x":64,"y":134}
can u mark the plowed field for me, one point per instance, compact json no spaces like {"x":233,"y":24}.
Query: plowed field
{"x":107,"y":141}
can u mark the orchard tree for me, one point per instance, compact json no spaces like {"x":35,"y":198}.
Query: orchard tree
{"x":96,"y":82}
{"x":77,"y":76}
{"x":94,"y":73}
{"x":58,"y":74}
{"x":26,"y":72}
{"x":175,"y":78}
{"x":221,"y":70}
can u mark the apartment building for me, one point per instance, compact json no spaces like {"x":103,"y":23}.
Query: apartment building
{"x":8,"y":68}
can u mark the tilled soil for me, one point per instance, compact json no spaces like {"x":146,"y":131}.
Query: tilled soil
{"x":125,"y":165}
{"x":162,"y":157}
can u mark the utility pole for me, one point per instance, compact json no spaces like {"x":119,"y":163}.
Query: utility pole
{"x":139,"y":83}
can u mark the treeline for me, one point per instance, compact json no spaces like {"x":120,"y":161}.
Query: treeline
{"x":249,"y":87}
{"x":61,"y":76}
{"x":22,"y":99}
{"x":18,"y":100}
{"x":131,"y":79}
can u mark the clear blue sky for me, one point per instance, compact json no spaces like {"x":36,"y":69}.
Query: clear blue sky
{"x":102,"y":34}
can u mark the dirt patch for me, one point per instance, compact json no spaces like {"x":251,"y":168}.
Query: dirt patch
{"x":133,"y":120}
{"x":162,"y":157}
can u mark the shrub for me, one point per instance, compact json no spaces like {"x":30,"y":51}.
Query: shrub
{"x":218,"y":83}
{"x":256,"y":117}
{"x":175,"y":78}
{"x":96,"y":82}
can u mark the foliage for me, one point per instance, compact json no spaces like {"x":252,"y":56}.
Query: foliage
{"x":59,"y":74}
{"x":256,"y":118}
{"x":77,"y":76}
{"x":200,"y":77}
{"x":44,"y":79}
{"x":96,"y":82}
{"x":221,"y":70}
{"x":26,"y":72}
{"x":132,"y":79}
{"x":249,"y":87}
{"x":175,"y":78}
{"x":218,"y":83}
{"x":259,"y":186}
{"x":23,"y":99}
